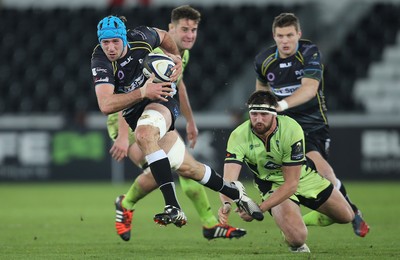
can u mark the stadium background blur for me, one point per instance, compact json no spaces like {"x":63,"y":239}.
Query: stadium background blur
{"x":51,"y":128}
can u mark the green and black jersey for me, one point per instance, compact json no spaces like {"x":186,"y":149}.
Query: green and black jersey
{"x":284,"y":146}
{"x":265,"y":158}
{"x":112,"y":120}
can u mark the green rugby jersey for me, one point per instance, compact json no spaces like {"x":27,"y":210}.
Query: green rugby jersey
{"x":283,"y":147}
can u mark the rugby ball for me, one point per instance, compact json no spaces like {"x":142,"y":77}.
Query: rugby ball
{"x":159,"y":64}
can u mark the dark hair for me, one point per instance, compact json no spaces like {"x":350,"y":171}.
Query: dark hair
{"x":262,"y":97}
{"x":123,"y":19}
{"x":185,"y":12}
{"x":285,"y":20}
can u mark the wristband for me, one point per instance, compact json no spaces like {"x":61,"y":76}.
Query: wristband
{"x":283,"y":105}
{"x":227,"y":203}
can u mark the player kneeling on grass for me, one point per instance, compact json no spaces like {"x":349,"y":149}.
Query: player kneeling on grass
{"x":272,"y":146}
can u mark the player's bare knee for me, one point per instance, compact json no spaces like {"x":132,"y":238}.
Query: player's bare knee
{"x":296,"y":238}
{"x":146,"y":135}
{"x":151,"y":125}
{"x":144,"y":141}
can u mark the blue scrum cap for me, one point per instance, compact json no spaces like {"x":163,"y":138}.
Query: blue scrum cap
{"x":112,"y":27}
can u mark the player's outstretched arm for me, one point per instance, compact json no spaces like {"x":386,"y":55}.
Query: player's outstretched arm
{"x":191,"y":127}
{"x":231,"y":173}
{"x":110,"y":103}
{"x":306,"y":92}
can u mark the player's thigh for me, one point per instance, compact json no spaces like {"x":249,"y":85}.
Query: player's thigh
{"x":287,"y":213}
{"x":322,"y":165}
{"x":337,"y":208}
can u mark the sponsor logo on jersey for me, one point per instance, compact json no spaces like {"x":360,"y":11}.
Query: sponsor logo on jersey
{"x":129,"y":59}
{"x":271,"y":165}
{"x":285,"y":91}
{"x":96,"y":70}
{"x":299,"y":74}
{"x":136,"y":83}
{"x":285,"y":65}
{"x":106,"y":79}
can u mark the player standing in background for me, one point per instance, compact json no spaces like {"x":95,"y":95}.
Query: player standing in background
{"x":121,"y":85}
{"x":183,"y":30}
{"x":272,"y":146}
{"x":293,"y":71}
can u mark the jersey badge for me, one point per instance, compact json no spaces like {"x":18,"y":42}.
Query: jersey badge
{"x":297,"y":151}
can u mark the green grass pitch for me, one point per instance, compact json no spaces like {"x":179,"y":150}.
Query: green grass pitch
{"x":76,"y":221}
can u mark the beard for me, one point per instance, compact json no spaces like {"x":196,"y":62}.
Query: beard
{"x":260,"y":129}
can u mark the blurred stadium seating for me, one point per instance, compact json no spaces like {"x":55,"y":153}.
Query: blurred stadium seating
{"x":351,"y":61}
{"x":46,"y":53}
